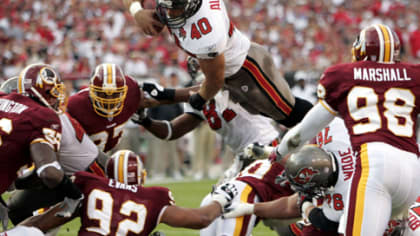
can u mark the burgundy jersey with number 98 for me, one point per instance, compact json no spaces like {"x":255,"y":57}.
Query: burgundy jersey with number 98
{"x":378,"y":101}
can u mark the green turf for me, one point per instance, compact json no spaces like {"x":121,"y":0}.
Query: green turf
{"x":186,"y":194}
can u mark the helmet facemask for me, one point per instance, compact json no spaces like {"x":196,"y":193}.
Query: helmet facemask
{"x":174,"y":13}
{"x":42,"y":83}
{"x":108,"y":90}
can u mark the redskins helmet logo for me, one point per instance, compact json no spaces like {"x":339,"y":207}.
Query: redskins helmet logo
{"x":305,"y":175}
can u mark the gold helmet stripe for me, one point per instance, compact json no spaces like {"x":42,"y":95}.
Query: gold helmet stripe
{"x":121,"y":170}
{"x":392,"y":43}
{"x":108,"y":74}
{"x":387,"y":43}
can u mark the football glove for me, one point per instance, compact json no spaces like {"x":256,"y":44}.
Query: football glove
{"x":238,"y":209}
{"x":158,"y":92}
{"x":258,"y":151}
{"x":224,"y":194}
{"x":140,"y":117}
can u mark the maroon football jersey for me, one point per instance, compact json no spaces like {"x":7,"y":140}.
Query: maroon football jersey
{"x":377,"y":101}
{"x":104,"y":132}
{"x":113,"y":208}
{"x":23,"y":122}
{"x":262,"y":176}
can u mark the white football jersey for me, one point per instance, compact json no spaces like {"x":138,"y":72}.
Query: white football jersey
{"x":77,"y":150}
{"x":237,"y":127}
{"x":335,"y":139}
{"x":209,"y":32}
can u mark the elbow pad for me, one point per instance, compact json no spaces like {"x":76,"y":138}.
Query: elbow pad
{"x":320,"y":221}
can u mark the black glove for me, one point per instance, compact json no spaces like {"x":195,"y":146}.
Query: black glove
{"x":196,"y":101}
{"x":141,"y":118}
{"x":158,"y":92}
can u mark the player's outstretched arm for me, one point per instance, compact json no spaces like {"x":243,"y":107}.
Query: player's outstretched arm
{"x":47,"y":220}
{"x":169,"y":130}
{"x":157,"y":95}
{"x":288,"y":205}
{"x":214,"y":71}
{"x":191,"y":218}
{"x":198,"y":218}
{"x":313,"y":122}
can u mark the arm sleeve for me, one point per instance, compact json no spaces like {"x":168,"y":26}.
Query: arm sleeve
{"x":313,"y":122}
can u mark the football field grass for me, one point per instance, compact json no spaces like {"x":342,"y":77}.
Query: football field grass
{"x":186,"y":194}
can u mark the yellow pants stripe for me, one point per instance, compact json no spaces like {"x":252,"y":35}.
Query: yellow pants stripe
{"x":239,"y":220}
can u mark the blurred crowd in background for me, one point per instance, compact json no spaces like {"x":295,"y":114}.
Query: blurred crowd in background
{"x":304,"y":37}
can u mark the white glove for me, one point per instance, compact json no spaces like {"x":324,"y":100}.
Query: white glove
{"x":257,"y":151}
{"x":238,"y":209}
{"x":69,"y":206}
{"x":224,"y":194}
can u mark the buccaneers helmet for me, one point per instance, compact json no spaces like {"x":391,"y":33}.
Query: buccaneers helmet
{"x":107,"y":90}
{"x":42,"y":83}
{"x":377,"y":43}
{"x":188,"y":7}
{"x":126,"y":167}
{"x":311,"y":171}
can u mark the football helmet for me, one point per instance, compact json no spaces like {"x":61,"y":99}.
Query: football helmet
{"x":311,"y":170}
{"x":42,"y":83}
{"x":10,"y":85}
{"x":377,"y":43}
{"x":108,"y":90}
{"x":188,"y":7}
{"x":126,"y":167}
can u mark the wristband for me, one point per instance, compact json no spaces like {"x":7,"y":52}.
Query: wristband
{"x":196,"y":101}
{"x":169,"y":130}
{"x":146,"y":122}
{"x":51,"y":164}
{"x":135,"y":7}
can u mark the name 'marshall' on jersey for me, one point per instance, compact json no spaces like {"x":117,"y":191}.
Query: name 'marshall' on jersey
{"x":10,"y":106}
{"x":380,"y":74}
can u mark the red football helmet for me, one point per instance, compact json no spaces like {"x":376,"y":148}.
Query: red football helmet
{"x":42,"y":82}
{"x":108,"y":90}
{"x":377,"y":43}
{"x":126,"y":167}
